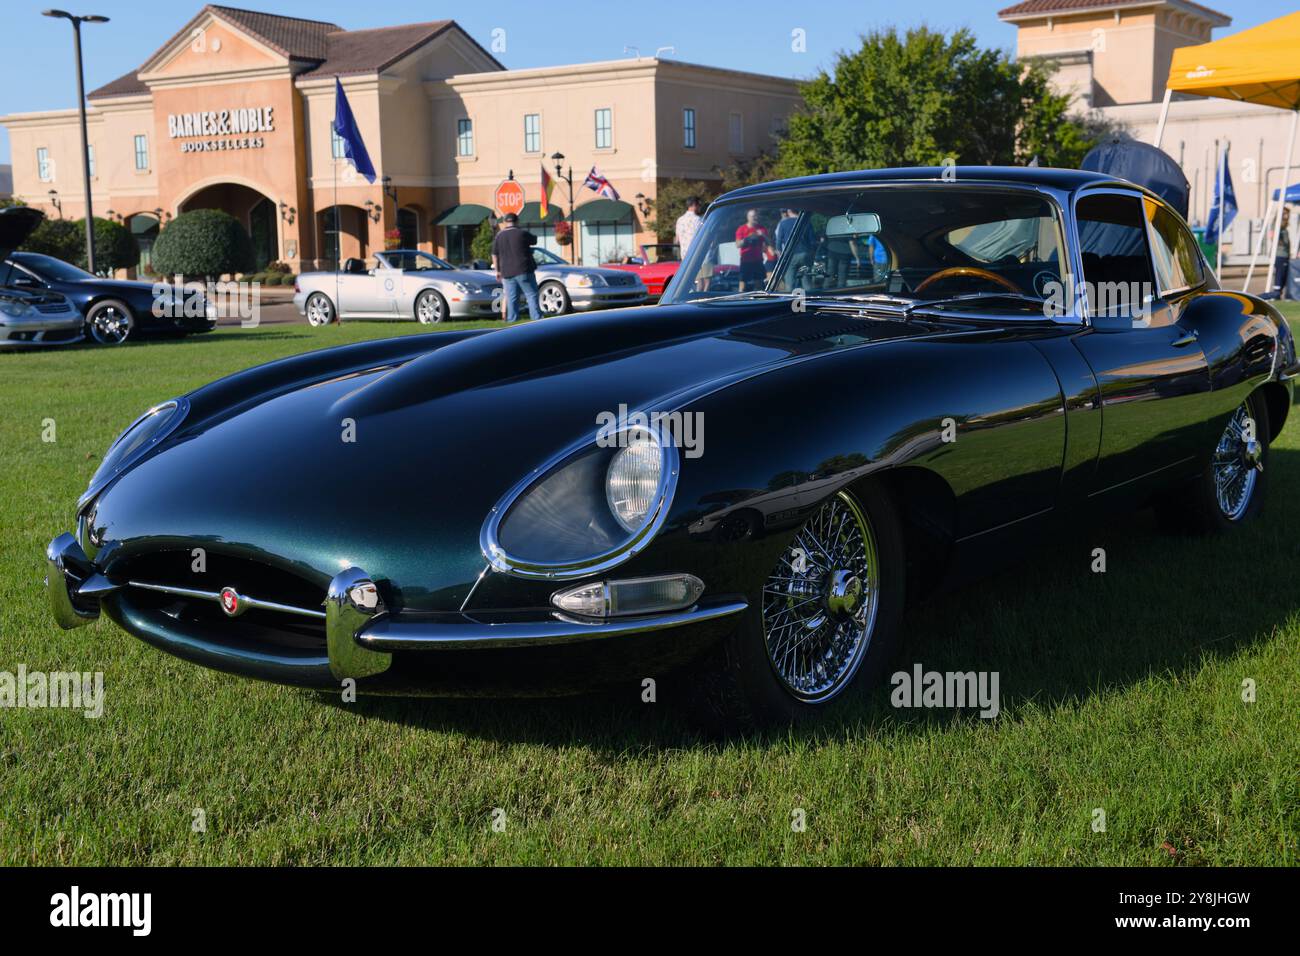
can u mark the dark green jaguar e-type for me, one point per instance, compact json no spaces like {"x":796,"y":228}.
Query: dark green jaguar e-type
{"x":900,"y":375}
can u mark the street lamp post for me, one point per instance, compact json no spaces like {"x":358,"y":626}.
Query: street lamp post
{"x":559,"y":174}
{"x":81,"y":107}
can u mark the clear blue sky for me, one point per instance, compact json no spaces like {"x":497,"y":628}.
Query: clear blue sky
{"x":36,"y":68}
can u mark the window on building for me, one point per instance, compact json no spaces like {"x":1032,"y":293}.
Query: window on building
{"x":606,"y":241}
{"x":604,"y":128}
{"x":141,"y":151}
{"x":43,"y":167}
{"x":736,"y":133}
{"x":688,"y":128}
{"x":336,"y":145}
{"x":533,"y":133}
{"x":464,"y":137}
{"x":90,"y":161}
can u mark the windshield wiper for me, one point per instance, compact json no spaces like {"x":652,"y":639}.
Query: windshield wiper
{"x":971,"y":297}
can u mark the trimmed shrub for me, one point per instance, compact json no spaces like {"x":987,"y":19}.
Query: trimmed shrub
{"x":204,"y":243}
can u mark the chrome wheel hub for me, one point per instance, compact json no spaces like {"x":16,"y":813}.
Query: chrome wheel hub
{"x":111,"y":327}
{"x":1238,"y":460}
{"x":820,"y":603}
{"x":427,"y":310}
{"x":552,"y":300}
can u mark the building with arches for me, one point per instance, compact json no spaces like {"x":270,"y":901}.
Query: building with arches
{"x":234,"y":111}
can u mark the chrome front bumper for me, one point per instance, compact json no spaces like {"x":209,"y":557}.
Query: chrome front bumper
{"x":360,"y":634}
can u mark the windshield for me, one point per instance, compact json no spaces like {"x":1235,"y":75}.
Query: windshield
{"x":918,"y":243}
{"x":50,"y":269}
{"x":545,"y":257}
{"x":413,"y":261}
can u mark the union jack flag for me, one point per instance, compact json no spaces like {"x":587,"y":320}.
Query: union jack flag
{"x":599,"y":184}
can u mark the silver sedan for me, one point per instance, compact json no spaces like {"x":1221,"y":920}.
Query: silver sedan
{"x":562,"y":287}
{"x":404,"y":283}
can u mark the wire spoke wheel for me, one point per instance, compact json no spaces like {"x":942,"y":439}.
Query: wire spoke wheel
{"x":820,"y":602}
{"x":1238,"y":461}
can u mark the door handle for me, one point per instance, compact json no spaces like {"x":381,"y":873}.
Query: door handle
{"x":1187,"y":338}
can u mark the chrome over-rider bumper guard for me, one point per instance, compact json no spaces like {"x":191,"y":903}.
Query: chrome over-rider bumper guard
{"x":360,"y":635}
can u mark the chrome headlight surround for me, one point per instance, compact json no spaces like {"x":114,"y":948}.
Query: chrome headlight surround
{"x":175,"y":411}
{"x":586,"y":281}
{"x":15,"y":308}
{"x":467,"y":288}
{"x":633,"y":540}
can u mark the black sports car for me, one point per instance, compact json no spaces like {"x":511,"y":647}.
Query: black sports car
{"x":115,"y":309}
{"x":939,"y":363}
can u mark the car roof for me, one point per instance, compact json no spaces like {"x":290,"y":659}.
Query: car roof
{"x":1068,"y":180}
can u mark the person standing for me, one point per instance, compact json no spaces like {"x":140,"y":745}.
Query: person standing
{"x":754,"y":245}
{"x":512,"y":258}
{"x":688,"y":224}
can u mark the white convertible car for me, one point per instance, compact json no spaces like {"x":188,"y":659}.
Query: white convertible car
{"x":404,"y":283}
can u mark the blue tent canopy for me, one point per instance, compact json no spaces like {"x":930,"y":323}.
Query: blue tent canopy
{"x":1292,"y":193}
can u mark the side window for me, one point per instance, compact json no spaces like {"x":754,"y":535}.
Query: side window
{"x":1116,"y":257}
{"x":1178,"y":265}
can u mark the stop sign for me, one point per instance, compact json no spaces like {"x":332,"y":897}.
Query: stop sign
{"x":509,"y":197}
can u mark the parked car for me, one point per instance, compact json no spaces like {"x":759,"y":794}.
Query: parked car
{"x":30,"y":315}
{"x":541,"y":523}
{"x":115,"y":310}
{"x":563,"y":287}
{"x":659,"y":262}
{"x":404,"y":284}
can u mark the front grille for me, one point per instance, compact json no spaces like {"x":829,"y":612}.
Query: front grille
{"x":60,"y":335}
{"x":622,"y":279}
{"x":158,"y":581}
{"x":53,"y":308}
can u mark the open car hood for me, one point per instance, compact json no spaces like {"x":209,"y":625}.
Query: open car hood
{"x":16,"y":224}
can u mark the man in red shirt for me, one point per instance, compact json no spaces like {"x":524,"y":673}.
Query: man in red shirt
{"x":754,"y":245}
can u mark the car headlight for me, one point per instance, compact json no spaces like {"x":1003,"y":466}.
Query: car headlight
{"x":140,"y":436}
{"x":15,"y":308}
{"x":467,"y":288}
{"x":585,"y":281}
{"x":593,"y":508}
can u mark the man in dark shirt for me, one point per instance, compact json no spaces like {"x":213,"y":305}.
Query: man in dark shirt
{"x":512,"y":257}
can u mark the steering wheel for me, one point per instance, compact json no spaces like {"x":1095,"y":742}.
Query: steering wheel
{"x":970,"y":272}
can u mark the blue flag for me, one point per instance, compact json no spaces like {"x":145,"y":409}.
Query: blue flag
{"x":1225,"y":206}
{"x":346,"y":128}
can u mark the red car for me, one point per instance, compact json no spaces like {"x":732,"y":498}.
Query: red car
{"x":658,"y":263}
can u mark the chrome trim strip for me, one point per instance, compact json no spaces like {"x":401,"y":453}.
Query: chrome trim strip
{"x":182,"y":406}
{"x":215,"y":596}
{"x":461,"y":631}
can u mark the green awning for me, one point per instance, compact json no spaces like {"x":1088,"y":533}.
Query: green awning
{"x":532,"y":215}
{"x":602,"y":210}
{"x":466,"y":214}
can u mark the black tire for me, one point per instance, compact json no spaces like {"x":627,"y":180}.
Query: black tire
{"x":430,"y":307}
{"x":1198,"y":508}
{"x":738,"y":687}
{"x":557,"y":294}
{"x":319,"y":310}
{"x":110,"y":322}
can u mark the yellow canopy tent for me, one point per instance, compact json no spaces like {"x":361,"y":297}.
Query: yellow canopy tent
{"x":1259,"y":65}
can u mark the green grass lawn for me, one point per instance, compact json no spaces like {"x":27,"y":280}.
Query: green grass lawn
{"x":1120,"y":691}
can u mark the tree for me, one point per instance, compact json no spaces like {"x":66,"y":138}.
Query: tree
{"x":114,"y":247}
{"x":203,"y":242}
{"x":926,"y":98}
{"x":66,"y":239}
{"x":671,"y":203}
{"x":480,"y":247}
{"x":61,"y":238}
